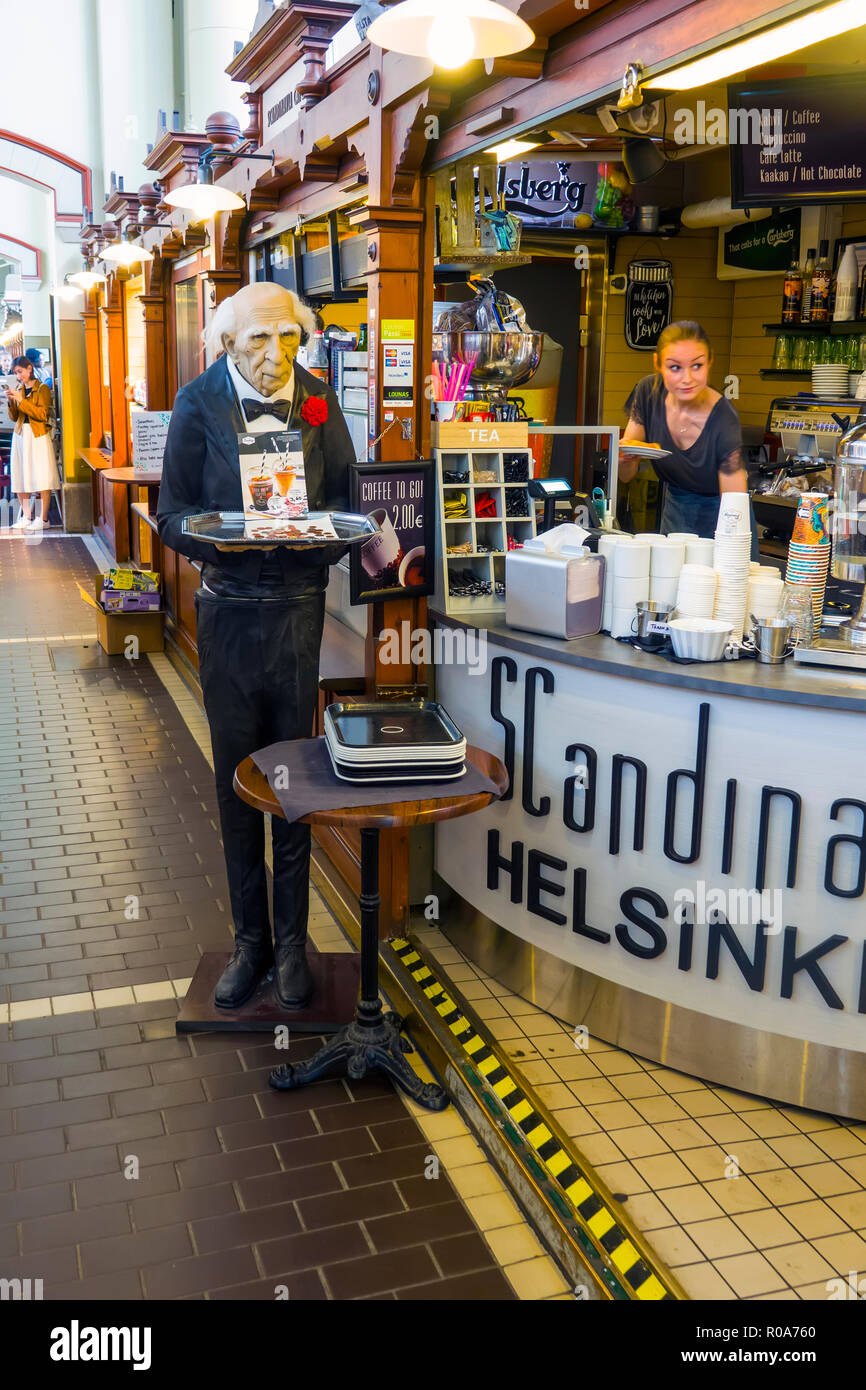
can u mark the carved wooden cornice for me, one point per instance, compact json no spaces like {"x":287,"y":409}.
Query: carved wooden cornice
{"x":412,"y":138}
{"x":279,"y":42}
{"x":229,"y":230}
{"x":175,"y":158}
{"x":123,"y":208}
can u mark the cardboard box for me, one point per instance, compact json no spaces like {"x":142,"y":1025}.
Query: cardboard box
{"x":480,"y":434}
{"x":127,"y":601}
{"x":114,"y":629}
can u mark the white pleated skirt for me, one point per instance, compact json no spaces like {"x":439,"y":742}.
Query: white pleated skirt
{"x":34,"y":467}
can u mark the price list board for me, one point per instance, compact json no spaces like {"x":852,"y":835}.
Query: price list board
{"x":798,"y":140}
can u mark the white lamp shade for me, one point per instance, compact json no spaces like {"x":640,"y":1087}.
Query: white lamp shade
{"x":406,"y":28}
{"x":203,"y":199}
{"x":86,"y":279}
{"x":126,"y":253}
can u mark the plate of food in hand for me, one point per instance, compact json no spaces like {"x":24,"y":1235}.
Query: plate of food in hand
{"x":640,"y":449}
{"x":317,"y":528}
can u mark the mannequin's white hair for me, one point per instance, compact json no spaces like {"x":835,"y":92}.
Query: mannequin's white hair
{"x":286,"y":305}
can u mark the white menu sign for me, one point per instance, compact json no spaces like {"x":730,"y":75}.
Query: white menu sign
{"x":149,"y":433}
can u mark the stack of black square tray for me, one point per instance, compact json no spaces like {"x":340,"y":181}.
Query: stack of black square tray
{"x":394,"y":741}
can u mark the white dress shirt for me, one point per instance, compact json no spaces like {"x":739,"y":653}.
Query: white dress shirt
{"x":244,"y":391}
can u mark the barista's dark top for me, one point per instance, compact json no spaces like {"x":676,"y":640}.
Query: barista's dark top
{"x":697,"y":468}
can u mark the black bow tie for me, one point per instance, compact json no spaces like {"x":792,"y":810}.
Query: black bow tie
{"x":253,"y":409}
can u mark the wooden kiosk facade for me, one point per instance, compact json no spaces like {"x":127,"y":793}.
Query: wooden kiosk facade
{"x":361,"y":138}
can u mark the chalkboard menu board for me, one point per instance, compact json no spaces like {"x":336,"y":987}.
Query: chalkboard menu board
{"x":398,"y":561}
{"x":648,"y":302}
{"x":797,"y":140}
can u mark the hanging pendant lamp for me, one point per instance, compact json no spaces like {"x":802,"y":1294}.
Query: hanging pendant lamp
{"x":125,"y":253}
{"x":450,"y":32}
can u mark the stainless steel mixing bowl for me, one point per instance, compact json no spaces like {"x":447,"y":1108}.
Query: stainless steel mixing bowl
{"x":502,"y":360}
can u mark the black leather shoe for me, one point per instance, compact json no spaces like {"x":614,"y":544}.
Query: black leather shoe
{"x":240,"y":979}
{"x":293,"y":979}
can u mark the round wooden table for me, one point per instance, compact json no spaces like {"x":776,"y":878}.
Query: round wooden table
{"x":372,"y":1040}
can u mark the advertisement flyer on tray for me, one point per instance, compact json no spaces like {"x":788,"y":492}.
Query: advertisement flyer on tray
{"x":275,"y":488}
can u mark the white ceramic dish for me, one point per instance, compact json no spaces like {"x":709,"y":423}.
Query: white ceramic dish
{"x":700,"y":639}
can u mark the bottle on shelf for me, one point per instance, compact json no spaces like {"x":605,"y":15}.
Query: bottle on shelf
{"x":861,"y":298}
{"x":845,"y":306}
{"x":792,"y":294}
{"x":808,"y":272}
{"x":821,"y":281}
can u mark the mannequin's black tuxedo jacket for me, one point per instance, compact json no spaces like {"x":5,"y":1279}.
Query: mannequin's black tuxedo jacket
{"x":201,"y":473}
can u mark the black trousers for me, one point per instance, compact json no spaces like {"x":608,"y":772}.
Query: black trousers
{"x":259,"y":668}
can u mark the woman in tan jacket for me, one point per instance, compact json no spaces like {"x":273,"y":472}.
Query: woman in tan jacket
{"x":34,"y":468}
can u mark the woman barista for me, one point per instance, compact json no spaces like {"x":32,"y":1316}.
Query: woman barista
{"x":678,"y":409}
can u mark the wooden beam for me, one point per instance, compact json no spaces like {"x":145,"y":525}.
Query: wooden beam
{"x":589,"y":60}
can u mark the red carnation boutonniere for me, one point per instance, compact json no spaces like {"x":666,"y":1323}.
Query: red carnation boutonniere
{"x":314,"y":410}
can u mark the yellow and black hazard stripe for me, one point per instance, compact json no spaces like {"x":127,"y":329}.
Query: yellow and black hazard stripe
{"x":629,"y":1274}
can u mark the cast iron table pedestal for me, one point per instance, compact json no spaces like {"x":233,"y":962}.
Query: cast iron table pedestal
{"x":373,"y":1040}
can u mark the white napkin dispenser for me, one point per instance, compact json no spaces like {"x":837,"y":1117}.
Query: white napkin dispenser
{"x":556,"y":592}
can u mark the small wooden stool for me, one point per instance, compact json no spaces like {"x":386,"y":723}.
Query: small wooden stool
{"x":373,"y":1039}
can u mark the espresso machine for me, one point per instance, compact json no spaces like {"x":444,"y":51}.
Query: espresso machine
{"x":844,"y":644}
{"x":809,"y":429}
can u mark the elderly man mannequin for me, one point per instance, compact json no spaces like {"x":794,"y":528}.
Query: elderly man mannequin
{"x":260,"y":613}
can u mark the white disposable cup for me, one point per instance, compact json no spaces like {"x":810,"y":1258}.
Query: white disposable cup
{"x":696,"y":572}
{"x":695,"y":606}
{"x":632,"y":558}
{"x":606,"y":546}
{"x":700,"y":551}
{"x":663,"y":590}
{"x":621,"y":622}
{"x":734,"y":516}
{"x":666,"y":558}
{"x":626,"y":592}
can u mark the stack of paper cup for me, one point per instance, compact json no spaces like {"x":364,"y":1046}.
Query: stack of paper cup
{"x":764,"y":595}
{"x":809,"y":549}
{"x":696,"y":591}
{"x":606,"y":545}
{"x":731,"y":549}
{"x":699,"y":551}
{"x":666,"y":561}
{"x":631,"y":580}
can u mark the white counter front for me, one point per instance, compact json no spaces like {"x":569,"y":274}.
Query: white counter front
{"x":678,"y":868}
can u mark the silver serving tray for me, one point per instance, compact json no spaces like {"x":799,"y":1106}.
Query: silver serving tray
{"x":227,"y":528}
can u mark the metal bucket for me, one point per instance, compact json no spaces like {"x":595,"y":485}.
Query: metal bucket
{"x":648,"y":615}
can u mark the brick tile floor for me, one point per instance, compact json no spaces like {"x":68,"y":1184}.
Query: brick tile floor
{"x":133,"y":1163}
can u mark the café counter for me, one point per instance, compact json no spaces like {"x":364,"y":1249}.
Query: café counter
{"x":679,"y":866}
